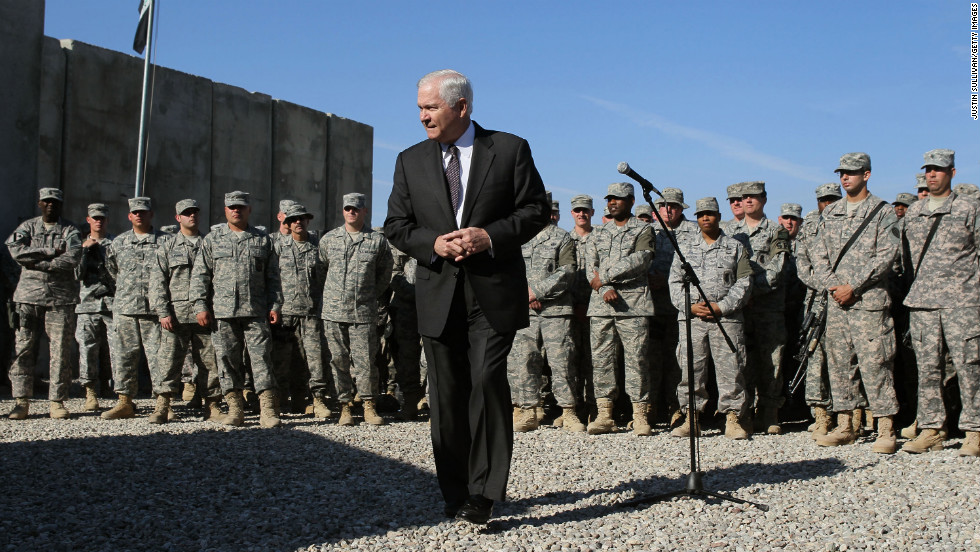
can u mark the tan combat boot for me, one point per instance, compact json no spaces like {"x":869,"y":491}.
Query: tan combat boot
{"x":822,"y":423}
{"x":733,"y":426}
{"x":641,"y":422}
{"x":124,"y":408}
{"x":869,"y":421}
{"x":345,"y":416}
{"x":161,"y":411}
{"x":684,"y":430}
{"x":21,"y":409}
{"x":57,"y":411}
{"x":268,"y":417}
{"x":843,"y":435}
{"x":212,"y":408}
{"x":885,"y":443}
{"x":971,"y":445}
{"x":676,"y":418}
{"x":91,"y":399}
{"x":928,"y":440}
{"x":857,"y":422}
{"x":603,"y":422}
{"x":570,"y":420}
{"x":526,"y":420}
{"x":190,"y":389}
{"x":236,"y":409}
{"x":371,"y":415}
{"x":320,"y":409}
{"x":539,"y":414}
{"x":911,"y":431}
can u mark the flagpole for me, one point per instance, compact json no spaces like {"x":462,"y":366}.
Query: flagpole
{"x":144,"y":108}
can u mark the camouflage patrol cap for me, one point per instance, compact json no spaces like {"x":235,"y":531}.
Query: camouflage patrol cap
{"x":905,"y":199}
{"x":755,"y":187}
{"x":141,"y":203}
{"x":236,"y":198}
{"x":644,"y":209}
{"x":672,"y":195}
{"x":857,"y":161}
{"x":791,"y":210}
{"x":285,"y":204}
{"x":620,"y":190}
{"x":97,"y":210}
{"x":185,"y":204}
{"x":830,"y":189}
{"x":169,"y":229}
{"x":355,"y":200}
{"x":939,"y":158}
{"x":706,"y":205}
{"x":970,"y":190}
{"x":734,"y":191}
{"x":297,"y":210}
{"x":51,"y":193}
{"x":605,"y":211}
{"x":920,"y":182}
{"x":582,"y":201}
{"x":554,"y":205}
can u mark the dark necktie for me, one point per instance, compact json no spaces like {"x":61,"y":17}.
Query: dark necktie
{"x":452,"y":175}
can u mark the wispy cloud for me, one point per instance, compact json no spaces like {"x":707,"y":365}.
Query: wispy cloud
{"x":727,"y":146}
{"x":389,"y":147}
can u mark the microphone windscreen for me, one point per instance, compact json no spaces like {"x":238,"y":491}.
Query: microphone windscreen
{"x":623,"y":167}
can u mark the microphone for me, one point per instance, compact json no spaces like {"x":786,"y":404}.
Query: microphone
{"x":624,"y":168}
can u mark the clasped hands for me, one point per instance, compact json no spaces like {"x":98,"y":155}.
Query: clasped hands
{"x":703,"y":311}
{"x":596,"y":284}
{"x":844,"y":295}
{"x":460,"y":244}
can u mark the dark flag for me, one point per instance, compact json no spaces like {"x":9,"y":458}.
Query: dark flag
{"x":139,"y":41}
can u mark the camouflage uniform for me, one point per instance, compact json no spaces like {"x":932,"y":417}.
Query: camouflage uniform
{"x":405,"y":325}
{"x":180,"y":253}
{"x":45,"y":296}
{"x":817,"y":390}
{"x":358,"y":269}
{"x":945,"y":306}
{"x":236,"y":277}
{"x":581,"y":362}
{"x":863,"y":331}
{"x":621,"y":255}
{"x":94,"y":330}
{"x":725,"y":275}
{"x":135,"y":261}
{"x":549,"y":259}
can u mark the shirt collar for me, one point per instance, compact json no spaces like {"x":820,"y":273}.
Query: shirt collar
{"x":464,"y":142}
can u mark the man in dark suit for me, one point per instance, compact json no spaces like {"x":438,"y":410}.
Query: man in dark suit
{"x":462,"y":203}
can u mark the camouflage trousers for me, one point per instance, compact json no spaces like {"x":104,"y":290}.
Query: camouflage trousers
{"x":707,"y":342}
{"x":352,"y":351}
{"x":634,"y":334}
{"x":95,"y":334}
{"x":136,"y":335}
{"x":301,"y":339}
{"x":547,"y":339}
{"x":666,"y":366}
{"x":765,"y":338}
{"x":933,"y":333}
{"x":816,"y":389}
{"x":231,"y":340}
{"x":174,"y":347}
{"x":58,"y":322}
{"x":580,"y":363}
{"x":407,"y":352}
{"x":861,"y":350}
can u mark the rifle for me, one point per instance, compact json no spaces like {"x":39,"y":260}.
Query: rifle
{"x":811,"y":331}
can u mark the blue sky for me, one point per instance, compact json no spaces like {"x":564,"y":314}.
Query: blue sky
{"x":692,"y":95}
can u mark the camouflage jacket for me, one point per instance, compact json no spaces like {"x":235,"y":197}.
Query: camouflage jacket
{"x":724,"y":271}
{"x":135,"y":263}
{"x":402,"y":282}
{"x":581,"y":291}
{"x":358,"y":270}
{"x":663,"y":258}
{"x":301,"y":274}
{"x":868,"y":263}
{"x":768,"y":247}
{"x":621,"y":255}
{"x":180,"y":253}
{"x":549,"y":259}
{"x":236,"y":274}
{"x":96,"y":285}
{"x":947,"y":277}
{"x":802,"y":246}
{"x":47,"y":276}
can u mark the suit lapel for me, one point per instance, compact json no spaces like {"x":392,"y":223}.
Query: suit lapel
{"x":479,"y":169}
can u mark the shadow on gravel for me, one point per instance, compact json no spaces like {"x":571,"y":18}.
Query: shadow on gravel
{"x":209,"y":490}
{"x":724,"y":480}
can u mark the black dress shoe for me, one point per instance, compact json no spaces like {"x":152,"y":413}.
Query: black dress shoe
{"x":476,"y":510}
{"x":452,"y":508}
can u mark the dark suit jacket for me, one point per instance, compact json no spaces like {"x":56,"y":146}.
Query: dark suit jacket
{"x":504,"y":196}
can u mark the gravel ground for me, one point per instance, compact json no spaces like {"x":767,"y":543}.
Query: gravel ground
{"x":89,"y":484}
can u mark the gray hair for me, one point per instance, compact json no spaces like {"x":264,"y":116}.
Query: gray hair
{"x":453,"y":86}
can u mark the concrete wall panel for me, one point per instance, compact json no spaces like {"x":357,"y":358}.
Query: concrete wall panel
{"x":299,"y":158}
{"x":52,"y":116}
{"x":349,"y":162}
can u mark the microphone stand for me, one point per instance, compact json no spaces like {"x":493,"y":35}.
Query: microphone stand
{"x":695,"y":485}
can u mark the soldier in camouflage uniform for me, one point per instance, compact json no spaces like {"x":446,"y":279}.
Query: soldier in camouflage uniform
{"x":549,"y":259}
{"x":620,"y":307}
{"x":48,"y":249}
{"x":765,"y":324}
{"x":644,"y":213}
{"x":358,"y":267}
{"x":902,"y":202}
{"x":968,"y":190}
{"x":735,"y":204}
{"x":945,"y":303}
{"x":722,"y":266}
{"x":581,"y":362}
{"x":94,"y":330}
{"x":860,"y":333}
{"x":407,"y":351}
{"x":135,"y":258}
{"x":301,"y":273}
{"x":182,"y":333}
{"x":921,"y":188}
{"x":235,"y":280}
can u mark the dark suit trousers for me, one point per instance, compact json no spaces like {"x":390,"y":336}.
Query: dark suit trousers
{"x":469,"y":401}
